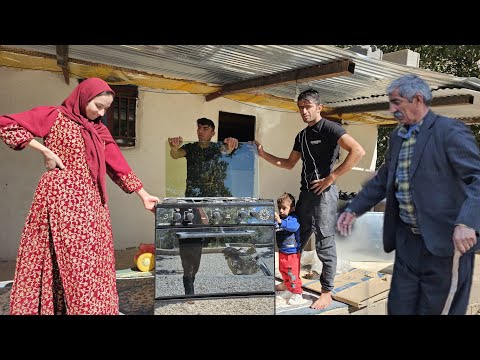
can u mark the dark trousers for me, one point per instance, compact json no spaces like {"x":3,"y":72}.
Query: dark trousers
{"x":421,"y":280}
{"x":318,"y":214}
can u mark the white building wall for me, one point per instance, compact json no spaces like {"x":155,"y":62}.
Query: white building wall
{"x":366,"y":135}
{"x":159,"y":116}
{"x":20,"y":170}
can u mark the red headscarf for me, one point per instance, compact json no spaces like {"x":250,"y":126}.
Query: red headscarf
{"x":93,"y":132}
{"x":40,"y":120}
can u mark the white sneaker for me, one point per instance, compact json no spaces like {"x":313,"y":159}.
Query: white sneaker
{"x":283,"y":295}
{"x":296,"y":299}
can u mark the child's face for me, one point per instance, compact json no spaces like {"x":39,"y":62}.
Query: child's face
{"x":284,"y":209}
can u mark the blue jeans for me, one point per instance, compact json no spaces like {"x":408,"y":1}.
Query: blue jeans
{"x":318,"y":214}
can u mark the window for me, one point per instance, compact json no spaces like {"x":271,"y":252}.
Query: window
{"x":234,"y":125}
{"x":122,"y":115}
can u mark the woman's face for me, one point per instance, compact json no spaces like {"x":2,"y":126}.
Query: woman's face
{"x":98,"y":106}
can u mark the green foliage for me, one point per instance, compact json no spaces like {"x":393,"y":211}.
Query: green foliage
{"x":458,"y":60}
{"x":384,"y":134}
{"x":382,"y":143}
{"x":476,"y":131}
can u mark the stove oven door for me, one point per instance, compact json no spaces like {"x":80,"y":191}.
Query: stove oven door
{"x":214,"y":262}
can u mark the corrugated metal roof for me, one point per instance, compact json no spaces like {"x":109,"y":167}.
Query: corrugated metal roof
{"x":384,"y":98}
{"x":460,"y":111}
{"x":225,"y":64}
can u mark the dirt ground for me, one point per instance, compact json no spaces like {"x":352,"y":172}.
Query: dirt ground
{"x":123,"y":260}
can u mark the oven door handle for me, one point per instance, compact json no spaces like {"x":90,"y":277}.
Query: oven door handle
{"x":195,"y":235}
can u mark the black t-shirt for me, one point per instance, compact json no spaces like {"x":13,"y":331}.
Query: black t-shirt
{"x":319,"y":147}
{"x":206,"y":170}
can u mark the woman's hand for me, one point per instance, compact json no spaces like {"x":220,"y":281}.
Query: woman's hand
{"x":149,"y":201}
{"x":52,"y":160}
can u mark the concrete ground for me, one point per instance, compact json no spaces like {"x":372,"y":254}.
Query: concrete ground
{"x":256,"y":305}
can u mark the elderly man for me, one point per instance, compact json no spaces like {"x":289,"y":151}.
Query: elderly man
{"x":431,"y":181}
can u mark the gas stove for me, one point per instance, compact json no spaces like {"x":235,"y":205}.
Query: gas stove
{"x":214,"y":246}
{"x":214,"y":211}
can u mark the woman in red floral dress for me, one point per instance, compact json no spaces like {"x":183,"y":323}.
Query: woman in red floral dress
{"x":65,"y":262}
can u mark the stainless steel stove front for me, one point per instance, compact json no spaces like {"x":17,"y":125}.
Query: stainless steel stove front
{"x":219,"y":249}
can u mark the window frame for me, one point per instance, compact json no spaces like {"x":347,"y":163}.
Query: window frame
{"x":125,"y":94}
{"x":128,"y":93}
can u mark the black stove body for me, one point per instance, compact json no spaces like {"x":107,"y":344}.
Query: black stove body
{"x":214,"y":247}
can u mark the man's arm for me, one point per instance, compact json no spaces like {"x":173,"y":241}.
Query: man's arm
{"x":464,"y":156}
{"x":175,"y":151}
{"x":355,"y":153}
{"x":280,"y":162}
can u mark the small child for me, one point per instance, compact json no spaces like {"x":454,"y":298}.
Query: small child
{"x":288,"y":242}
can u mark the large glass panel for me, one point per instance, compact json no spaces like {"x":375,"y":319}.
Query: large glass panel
{"x":209,"y":170}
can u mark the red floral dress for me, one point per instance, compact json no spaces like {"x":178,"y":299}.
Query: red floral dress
{"x":65,"y":262}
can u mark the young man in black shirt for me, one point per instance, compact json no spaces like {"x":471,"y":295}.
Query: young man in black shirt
{"x":318,"y":146}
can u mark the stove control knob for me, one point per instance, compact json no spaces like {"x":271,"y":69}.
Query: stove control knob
{"x":216,"y":215}
{"x":189,"y":217}
{"x":177,"y":216}
{"x":254,"y":214}
{"x":264,"y":214}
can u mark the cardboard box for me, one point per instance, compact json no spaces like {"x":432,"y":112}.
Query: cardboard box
{"x":355,"y":287}
{"x":360,"y":288}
